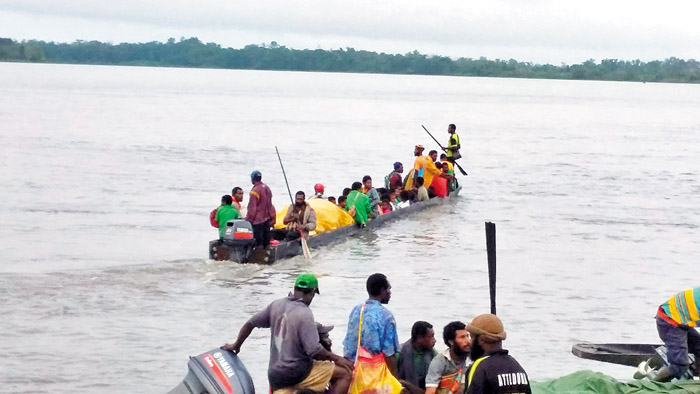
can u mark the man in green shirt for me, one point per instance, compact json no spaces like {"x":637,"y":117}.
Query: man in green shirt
{"x":360,"y":202}
{"x":416,"y":354}
{"x":225,"y":213}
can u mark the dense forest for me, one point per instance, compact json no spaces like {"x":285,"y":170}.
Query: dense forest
{"x":192,"y":52}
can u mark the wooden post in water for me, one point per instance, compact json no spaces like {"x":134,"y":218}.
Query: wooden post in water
{"x":491,"y":252}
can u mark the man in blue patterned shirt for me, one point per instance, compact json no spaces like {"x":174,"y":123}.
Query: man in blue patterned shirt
{"x":378,"y":324}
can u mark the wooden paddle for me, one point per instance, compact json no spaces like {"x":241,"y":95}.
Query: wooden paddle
{"x":441,"y":147}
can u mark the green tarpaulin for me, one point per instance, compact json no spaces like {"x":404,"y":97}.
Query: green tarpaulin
{"x":595,"y":382}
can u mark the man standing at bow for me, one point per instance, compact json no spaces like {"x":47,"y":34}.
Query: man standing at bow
{"x":453,"y":146}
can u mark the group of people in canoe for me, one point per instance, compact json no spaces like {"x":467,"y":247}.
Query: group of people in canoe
{"x":373,"y":360}
{"x":362,"y":201}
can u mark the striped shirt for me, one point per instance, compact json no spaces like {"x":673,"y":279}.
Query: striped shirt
{"x":682,"y":308}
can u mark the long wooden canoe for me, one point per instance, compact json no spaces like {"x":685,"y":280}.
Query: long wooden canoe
{"x":219,"y":251}
{"x":630,"y":354}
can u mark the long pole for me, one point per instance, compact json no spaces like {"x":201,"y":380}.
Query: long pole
{"x":491,"y":252}
{"x":441,"y":147}
{"x":304,"y":244}
{"x":285,"y":175}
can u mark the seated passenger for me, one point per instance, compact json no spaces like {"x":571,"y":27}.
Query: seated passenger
{"x":422,"y":192}
{"x":433,"y":155}
{"x":394,"y":177}
{"x":416,"y":354}
{"x":385,"y":206}
{"x":358,"y":205}
{"x":407,"y":197}
{"x":225,"y":213}
{"x":341,"y":202}
{"x":447,"y":370}
{"x":332,"y":199}
{"x":373,"y":195}
{"x":439,"y":187}
{"x":394,"y":200}
{"x":323,"y":336}
{"x":318,"y":191}
{"x":237,"y":195}
{"x":443,"y":160}
{"x":300,"y":219}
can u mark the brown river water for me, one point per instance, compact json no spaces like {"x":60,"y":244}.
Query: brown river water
{"x":109,"y":174}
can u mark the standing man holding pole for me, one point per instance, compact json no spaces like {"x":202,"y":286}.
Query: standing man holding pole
{"x":455,"y":148}
{"x":452,"y":149}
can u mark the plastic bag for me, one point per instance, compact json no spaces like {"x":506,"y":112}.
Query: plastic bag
{"x":372,"y":376}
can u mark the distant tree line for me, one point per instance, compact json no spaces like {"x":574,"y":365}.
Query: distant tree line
{"x":192,"y":52}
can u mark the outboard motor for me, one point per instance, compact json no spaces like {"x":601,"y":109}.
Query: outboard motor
{"x":650,"y":368}
{"x":238,"y":242}
{"x":217,"y":371}
{"x":238,"y":233}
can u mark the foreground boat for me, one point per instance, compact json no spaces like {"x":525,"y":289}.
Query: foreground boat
{"x":217,"y":371}
{"x":630,"y":354}
{"x":240,"y":250}
{"x":647,"y":358}
{"x":220,"y":371}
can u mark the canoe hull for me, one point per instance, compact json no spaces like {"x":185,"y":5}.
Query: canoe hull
{"x":630,"y":354}
{"x":285,"y":250}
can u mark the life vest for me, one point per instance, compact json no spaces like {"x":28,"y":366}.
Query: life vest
{"x":453,"y":143}
{"x":212,"y":218}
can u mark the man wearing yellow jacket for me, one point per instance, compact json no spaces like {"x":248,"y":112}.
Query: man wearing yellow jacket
{"x":422,"y":167}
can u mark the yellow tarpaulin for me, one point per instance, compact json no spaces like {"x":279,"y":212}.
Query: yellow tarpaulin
{"x":328,"y":216}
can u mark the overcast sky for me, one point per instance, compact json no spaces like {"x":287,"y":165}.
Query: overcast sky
{"x":539,"y":31}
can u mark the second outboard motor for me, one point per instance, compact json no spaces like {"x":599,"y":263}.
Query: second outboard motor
{"x":217,"y":371}
{"x":238,"y":233}
{"x":238,"y":237}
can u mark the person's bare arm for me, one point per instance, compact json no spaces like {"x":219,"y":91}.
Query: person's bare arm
{"x":243,"y":334}
{"x":338,"y":360}
{"x":391,"y":363}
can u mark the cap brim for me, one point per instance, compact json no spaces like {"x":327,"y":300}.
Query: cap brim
{"x":325,"y":329}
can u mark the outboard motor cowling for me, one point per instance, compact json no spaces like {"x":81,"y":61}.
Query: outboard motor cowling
{"x":238,"y":233}
{"x":217,"y":371}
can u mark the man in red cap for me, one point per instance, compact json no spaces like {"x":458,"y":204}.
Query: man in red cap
{"x":318,"y":191}
{"x":494,"y":370}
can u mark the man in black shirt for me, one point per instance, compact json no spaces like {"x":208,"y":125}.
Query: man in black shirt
{"x":493,"y":370}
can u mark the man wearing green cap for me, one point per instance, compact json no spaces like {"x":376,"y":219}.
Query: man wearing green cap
{"x":297,"y":359}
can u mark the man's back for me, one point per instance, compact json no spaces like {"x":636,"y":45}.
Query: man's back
{"x":682,"y":309}
{"x":361,"y":203}
{"x":423,"y":194}
{"x":260,"y":207}
{"x":378,"y":330}
{"x":497,"y":373}
{"x":223,"y":215}
{"x":293,"y":340}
